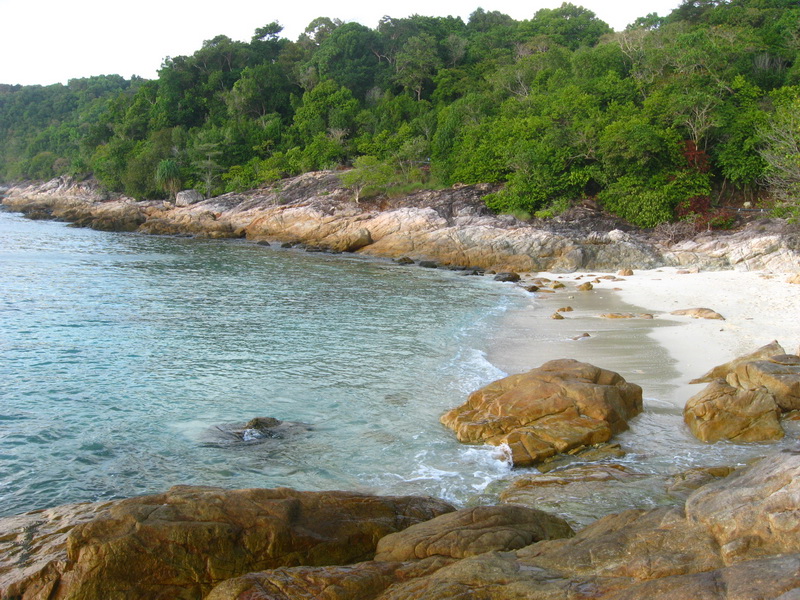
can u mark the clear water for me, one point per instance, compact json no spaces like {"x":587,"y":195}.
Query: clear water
{"x":119,"y":354}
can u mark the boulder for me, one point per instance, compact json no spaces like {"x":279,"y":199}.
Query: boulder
{"x":562,"y":405}
{"x":724,"y":412}
{"x":473,"y":531}
{"x":721,"y":371}
{"x":779,"y":375}
{"x":187,"y":197}
{"x":255,"y":431}
{"x":755,"y":512}
{"x":698,"y":313}
{"x":181,"y":543}
{"x":508,"y":276}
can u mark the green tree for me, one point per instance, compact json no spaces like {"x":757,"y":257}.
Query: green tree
{"x":168,"y":176}
{"x":417,"y":63}
{"x":781,"y":153}
{"x":368,"y":174}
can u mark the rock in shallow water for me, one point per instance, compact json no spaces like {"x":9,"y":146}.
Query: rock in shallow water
{"x":562,"y":405}
{"x":745,"y":397}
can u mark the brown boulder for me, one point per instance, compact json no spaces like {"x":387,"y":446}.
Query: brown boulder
{"x":699,"y":313}
{"x":724,"y":412}
{"x":779,"y":375}
{"x":181,"y":543}
{"x":363,"y":581}
{"x":563,"y":404}
{"x":472,"y":531}
{"x":721,"y":371}
{"x":777,"y":578}
{"x":754,"y":512}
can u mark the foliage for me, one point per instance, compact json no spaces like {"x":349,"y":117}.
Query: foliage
{"x":671,"y":112}
{"x":781,"y":153}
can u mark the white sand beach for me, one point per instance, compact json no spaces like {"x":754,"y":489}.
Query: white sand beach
{"x":663,"y":353}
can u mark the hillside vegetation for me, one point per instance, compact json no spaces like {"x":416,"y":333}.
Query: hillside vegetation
{"x":674,"y":117}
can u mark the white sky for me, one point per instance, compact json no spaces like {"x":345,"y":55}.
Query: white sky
{"x":50,"y":41}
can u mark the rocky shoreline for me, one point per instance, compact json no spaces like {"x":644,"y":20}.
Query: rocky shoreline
{"x":719,"y":533}
{"x":451,"y":226}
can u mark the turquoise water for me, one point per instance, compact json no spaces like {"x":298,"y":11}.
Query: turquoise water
{"x":120,"y":354}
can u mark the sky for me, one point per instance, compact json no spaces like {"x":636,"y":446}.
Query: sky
{"x":51,"y":41}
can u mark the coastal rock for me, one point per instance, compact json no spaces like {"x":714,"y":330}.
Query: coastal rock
{"x":722,"y":371}
{"x":255,"y":431}
{"x":794,"y":278}
{"x":779,"y":375}
{"x":684,"y":483}
{"x":507,"y":277}
{"x":738,"y":537}
{"x":626,"y":316}
{"x":363,"y":581}
{"x":724,"y":412}
{"x":188,"y":197}
{"x":754,"y":512}
{"x":766,"y":245}
{"x":181,"y":543}
{"x":698,"y":313}
{"x":718,"y":548}
{"x":472,"y":531}
{"x":451,"y":226}
{"x":625,"y":272}
{"x":563,"y":404}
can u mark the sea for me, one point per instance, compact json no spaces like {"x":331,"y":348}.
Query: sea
{"x":132,"y":363}
{"x":126,"y":361}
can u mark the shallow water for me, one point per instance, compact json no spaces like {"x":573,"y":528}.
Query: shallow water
{"x":119,"y":352}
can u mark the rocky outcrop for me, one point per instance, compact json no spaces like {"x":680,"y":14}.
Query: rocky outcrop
{"x":718,"y":548}
{"x":736,"y":537}
{"x":188,"y":197}
{"x":746,"y":397}
{"x":560,"y":406}
{"x":767,"y":245}
{"x":473,"y":531}
{"x":451,"y":226}
{"x":181,"y":543}
{"x":724,"y":412}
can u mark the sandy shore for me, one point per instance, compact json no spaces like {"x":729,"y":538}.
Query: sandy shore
{"x":663,"y":353}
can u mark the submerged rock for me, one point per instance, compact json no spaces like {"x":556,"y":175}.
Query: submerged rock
{"x":562,"y":405}
{"x":256,"y":430}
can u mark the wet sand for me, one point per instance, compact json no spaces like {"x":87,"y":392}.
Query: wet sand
{"x":663,"y":353}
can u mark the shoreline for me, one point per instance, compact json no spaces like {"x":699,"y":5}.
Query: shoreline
{"x":663,"y":353}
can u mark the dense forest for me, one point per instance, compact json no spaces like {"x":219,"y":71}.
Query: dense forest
{"x":673,"y":117}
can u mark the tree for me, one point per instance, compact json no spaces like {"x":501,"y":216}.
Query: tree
{"x":781,"y":152}
{"x":367,"y":172}
{"x":417,"y":63}
{"x":169,"y":177}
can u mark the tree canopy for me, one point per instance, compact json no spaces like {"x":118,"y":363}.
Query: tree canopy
{"x":701,"y":103}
